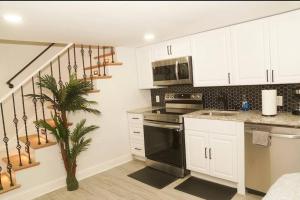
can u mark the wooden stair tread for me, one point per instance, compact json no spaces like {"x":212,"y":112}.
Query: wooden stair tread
{"x":106,"y":65}
{"x":93,"y":91}
{"x":14,"y":160}
{"x":105,"y":55}
{"x":97,"y":77}
{"x":6,"y":183}
{"x":52,"y":123}
{"x":33,"y":139}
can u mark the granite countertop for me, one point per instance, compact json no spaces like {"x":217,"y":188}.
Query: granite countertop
{"x":281,"y":119}
{"x":141,"y":110}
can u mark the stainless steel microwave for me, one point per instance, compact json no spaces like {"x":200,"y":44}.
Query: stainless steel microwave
{"x":174,"y":71}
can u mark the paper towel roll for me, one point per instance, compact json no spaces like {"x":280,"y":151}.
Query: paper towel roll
{"x":269,"y":102}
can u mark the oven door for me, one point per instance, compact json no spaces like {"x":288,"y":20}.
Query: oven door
{"x":173,"y":71}
{"x":164,"y":143}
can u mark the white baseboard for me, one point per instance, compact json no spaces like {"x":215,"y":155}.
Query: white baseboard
{"x":61,"y":182}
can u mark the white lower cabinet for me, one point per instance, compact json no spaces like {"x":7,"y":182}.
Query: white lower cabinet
{"x":212,"y":149}
{"x":223,"y":156}
{"x":136,"y":134}
{"x":197,"y":145}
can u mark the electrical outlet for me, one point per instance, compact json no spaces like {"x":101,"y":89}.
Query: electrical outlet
{"x":157,"y":99}
{"x":279,"y":101}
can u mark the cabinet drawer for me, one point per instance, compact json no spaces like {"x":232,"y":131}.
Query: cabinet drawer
{"x":197,"y":124}
{"x":211,"y":126}
{"x":135,"y":118}
{"x":136,"y":132}
{"x":137,"y":149}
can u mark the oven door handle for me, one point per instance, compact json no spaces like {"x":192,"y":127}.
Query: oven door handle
{"x":163,"y":125}
{"x":176,"y":70}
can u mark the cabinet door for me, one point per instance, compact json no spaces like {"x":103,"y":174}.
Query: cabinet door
{"x":160,"y":51}
{"x":180,"y":47}
{"x":197,"y":151}
{"x":285,"y":47}
{"x":223,"y":156}
{"x":210,"y":51}
{"x":144,"y":68}
{"x":250,"y":53}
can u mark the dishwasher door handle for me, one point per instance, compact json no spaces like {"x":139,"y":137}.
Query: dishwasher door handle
{"x":278,"y":135}
{"x":288,"y":136}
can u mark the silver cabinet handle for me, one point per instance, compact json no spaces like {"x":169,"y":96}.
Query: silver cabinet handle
{"x":170,"y":49}
{"x":205,"y":153}
{"x":137,"y":132}
{"x":267,"y":73}
{"x":210,"y":153}
{"x":135,"y":118}
{"x":272,"y":75}
{"x":138,"y":149}
{"x":229,"y":78}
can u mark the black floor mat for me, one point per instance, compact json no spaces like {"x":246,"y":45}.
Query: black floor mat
{"x":206,"y":190}
{"x":153,"y":177}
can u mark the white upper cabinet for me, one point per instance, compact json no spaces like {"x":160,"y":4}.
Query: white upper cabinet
{"x":250,"y":53}
{"x":171,"y":49}
{"x":211,"y":58}
{"x":144,"y":68}
{"x":285,"y":47}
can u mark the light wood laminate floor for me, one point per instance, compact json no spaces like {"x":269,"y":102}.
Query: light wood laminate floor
{"x":115,"y":185}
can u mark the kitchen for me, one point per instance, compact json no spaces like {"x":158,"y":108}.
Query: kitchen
{"x":225,"y":110}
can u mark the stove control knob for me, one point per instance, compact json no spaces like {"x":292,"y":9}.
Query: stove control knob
{"x":193,"y":96}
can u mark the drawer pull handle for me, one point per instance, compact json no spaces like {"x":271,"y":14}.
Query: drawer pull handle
{"x":138,"y":149}
{"x":135,"y":118}
{"x":137,"y":132}
{"x":205,"y":152}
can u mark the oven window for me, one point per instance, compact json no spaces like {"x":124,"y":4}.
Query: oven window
{"x":164,"y":73}
{"x":164,"y":145}
{"x":183,"y":71}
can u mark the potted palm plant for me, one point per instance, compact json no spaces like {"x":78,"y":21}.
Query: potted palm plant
{"x":65,"y":98}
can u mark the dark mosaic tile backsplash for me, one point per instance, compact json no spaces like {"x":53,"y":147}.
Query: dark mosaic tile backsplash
{"x":234,"y":95}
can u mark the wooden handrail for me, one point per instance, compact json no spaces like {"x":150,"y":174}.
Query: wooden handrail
{"x":34,"y":73}
{"x":10,"y":85}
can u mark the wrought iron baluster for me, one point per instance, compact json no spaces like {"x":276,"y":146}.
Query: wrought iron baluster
{"x":42,"y":100}
{"x":91,"y":70}
{"x":17,"y":131}
{"x":6,"y":140}
{"x":98,"y":62}
{"x":104,"y":62}
{"x":1,"y":186}
{"x":112,"y":54}
{"x":59,"y":72}
{"x":75,"y":64}
{"x":69,"y":63}
{"x":83,"y":66}
{"x":51,"y":68}
{"x":27,"y":148}
{"x":34,"y":100}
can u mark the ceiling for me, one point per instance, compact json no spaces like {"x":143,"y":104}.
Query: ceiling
{"x":125,"y":23}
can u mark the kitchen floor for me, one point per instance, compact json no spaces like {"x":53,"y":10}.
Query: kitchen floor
{"x":116,"y":185}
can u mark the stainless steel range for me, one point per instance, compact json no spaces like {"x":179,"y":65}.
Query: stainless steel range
{"x":164,"y":132}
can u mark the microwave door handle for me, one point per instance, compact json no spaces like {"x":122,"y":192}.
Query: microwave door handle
{"x":176,"y":70}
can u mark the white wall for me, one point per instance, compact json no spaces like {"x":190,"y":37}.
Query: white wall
{"x":110,"y":145}
{"x":15,"y":55}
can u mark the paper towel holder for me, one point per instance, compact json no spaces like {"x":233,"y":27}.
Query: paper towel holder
{"x":269,"y":102}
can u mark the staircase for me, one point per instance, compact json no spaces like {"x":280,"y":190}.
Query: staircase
{"x":21,"y":139}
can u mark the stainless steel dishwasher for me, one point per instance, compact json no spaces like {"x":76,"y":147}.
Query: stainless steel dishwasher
{"x":264,"y":165}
